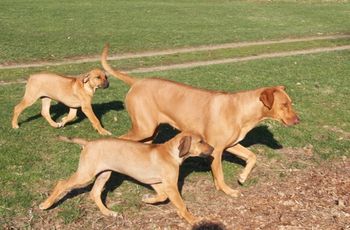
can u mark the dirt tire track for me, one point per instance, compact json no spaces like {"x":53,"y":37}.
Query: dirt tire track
{"x":193,"y":49}
{"x":172,"y":51}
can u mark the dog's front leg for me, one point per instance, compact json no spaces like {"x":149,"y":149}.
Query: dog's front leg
{"x":96,"y":191}
{"x":87,"y":110}
{"x":246,"y":155}
{"x":216,"y":168}
{"x":173,"y":194}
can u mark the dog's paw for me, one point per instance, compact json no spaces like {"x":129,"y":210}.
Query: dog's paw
{"x":113,"y":214}
{"x":110,"y":213}
{"x":104,"y":132}
{"x":15,"y":126}
{"x":44,"y":205}
{"x":232,"y":192}
{"x":241,"y":179}
{"x":60,"y":124}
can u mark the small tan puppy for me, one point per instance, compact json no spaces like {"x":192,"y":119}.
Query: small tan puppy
{"x":74,"y":92}
{"x":153,"y":164}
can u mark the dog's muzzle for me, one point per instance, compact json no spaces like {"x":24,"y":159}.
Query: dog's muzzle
{"x":208,"y":152}
{"x":105,"y":85}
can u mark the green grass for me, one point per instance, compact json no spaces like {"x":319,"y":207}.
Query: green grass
{"x":32,"y":160}
{"x":51,"y":30}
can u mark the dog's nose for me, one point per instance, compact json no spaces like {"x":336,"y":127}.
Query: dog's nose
{"x":296,"y":120}
{"x":210,"y":150}
{"x":106,"y":84}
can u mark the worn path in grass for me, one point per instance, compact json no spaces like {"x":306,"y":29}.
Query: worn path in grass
{"x":196,"y":49}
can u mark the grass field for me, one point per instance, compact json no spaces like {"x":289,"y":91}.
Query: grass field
{"x":51,"y":30}
{"x":32,"y":160}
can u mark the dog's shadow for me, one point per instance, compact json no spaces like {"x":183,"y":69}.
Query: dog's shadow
{"x":59,"y":109}
{"x":259,"y":135}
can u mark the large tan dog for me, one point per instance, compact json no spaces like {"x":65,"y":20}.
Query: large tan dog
{"x":154,"y":164}
{"x":223,"y":119}
{"x":72,"y":91}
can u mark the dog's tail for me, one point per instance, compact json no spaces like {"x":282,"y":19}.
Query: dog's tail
{"x":75,"y":140}
{"x":115,"y":73}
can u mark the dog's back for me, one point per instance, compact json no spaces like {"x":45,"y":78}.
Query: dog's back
{"x":50,"y":85}
{"x":126,"y":157}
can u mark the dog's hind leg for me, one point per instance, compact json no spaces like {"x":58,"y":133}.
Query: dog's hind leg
{"x":96,"y":191}
{"x":77,"y":180}
{"x":25,"y":103}
{"x":143,"y":129}
{"x":45,"y":112}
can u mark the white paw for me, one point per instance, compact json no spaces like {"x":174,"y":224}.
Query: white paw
{"x":233,"y":193}
{"x":60,"y":124}
{"x":242,"y":179}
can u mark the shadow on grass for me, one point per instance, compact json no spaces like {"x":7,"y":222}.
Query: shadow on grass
{"x":258,"y":135}
{"x":60,"y":109}
{"x":113,"y":183}
{"x":71,"y":194}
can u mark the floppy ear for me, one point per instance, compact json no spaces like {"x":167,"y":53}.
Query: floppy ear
{"x":86,"y":78}
{"x":185,"y":145}
{"x":267,"y":97}
{"x":281,"y":87}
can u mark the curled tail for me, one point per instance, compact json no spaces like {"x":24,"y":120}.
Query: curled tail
{"x":75,"y":140}
{"x":115,"y":73}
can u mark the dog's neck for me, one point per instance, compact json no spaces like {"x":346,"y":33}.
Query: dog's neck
{"x":174,"y":152}
{"x":251,"y":109}
{"x":89,"y":89}
{"x":251,"y":112}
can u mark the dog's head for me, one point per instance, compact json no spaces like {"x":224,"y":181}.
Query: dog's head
{"x":96,"y":79}
{"x":191,"y":145}
{"x":279,"y":105}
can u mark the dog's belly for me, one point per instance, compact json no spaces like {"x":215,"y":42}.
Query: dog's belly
{"x":69,"y":101}
{"x":133,"y":159}
{"x":143,"y":173}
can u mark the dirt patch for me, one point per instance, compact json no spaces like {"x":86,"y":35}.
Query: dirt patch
{"x":79,"y":60}
{"x":284,"y":197}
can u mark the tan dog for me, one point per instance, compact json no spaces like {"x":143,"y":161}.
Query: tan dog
{"x":154,"y":164}
{"x":223,"y":119}
{"x":73,"y":92}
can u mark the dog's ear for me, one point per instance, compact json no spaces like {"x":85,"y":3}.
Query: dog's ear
{"x":267,"y":97}
{"x":86,"y":78}
{"x":281,"y":87}
{"x":185,"y":145}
